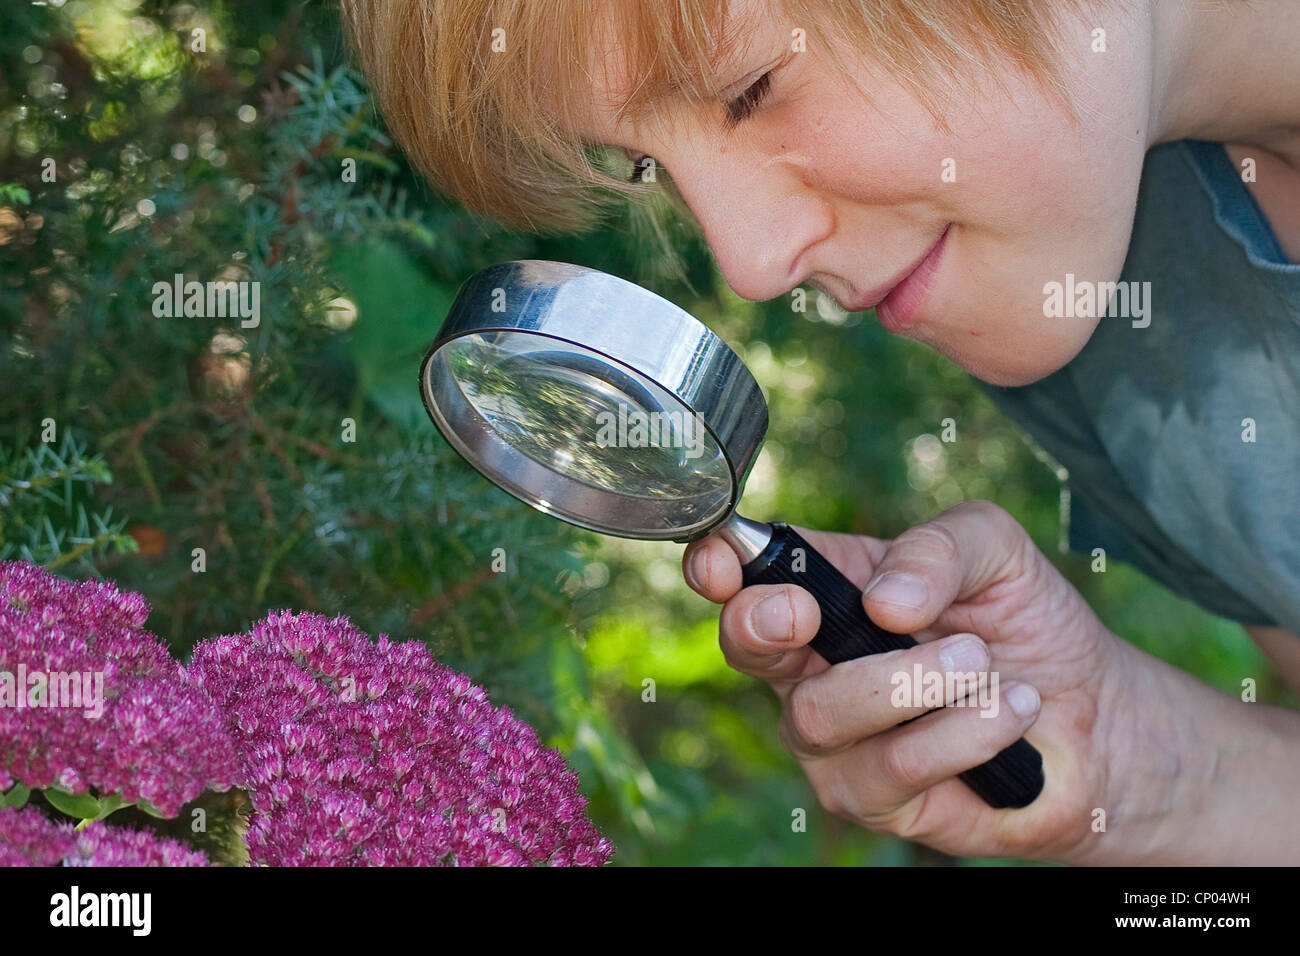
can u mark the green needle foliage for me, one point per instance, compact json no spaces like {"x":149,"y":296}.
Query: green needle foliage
{"x":258,"y":464}
{"x":44,"y":517}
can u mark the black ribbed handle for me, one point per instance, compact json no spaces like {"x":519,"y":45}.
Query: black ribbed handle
{"x":1011,"y":779}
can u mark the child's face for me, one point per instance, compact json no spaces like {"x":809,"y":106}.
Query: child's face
{"x":822,"y":186}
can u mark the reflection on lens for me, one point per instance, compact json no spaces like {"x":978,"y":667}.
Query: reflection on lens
{"x":591,"y":420}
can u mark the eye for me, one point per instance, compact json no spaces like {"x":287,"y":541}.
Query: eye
{"x":744,"y":105}
{"x":738,"y":110}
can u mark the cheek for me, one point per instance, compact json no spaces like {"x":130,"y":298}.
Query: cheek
{"x":1032,"y":196}
{"x":987,"y":311}
{"x":1049,"y":200}
{"x":876,"y":155}
{"x":986,"y":314}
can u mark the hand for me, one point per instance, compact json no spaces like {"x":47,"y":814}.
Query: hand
{"x":970,"y":580}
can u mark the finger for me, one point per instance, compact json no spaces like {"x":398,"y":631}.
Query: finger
{"x":964,"y":551}
{"x":764,"y":631}
{"x":713,"y":571}
{"x":891,"y":768}
{"x":858,"y":698}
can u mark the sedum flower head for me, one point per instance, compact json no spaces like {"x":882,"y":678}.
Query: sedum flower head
{"x":357,"y":752}
{"x":29,"y":838}
{"x":103,"y":845}
{"x":158,"y":737}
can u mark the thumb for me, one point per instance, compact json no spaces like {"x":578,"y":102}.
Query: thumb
{"x":960,"y":553}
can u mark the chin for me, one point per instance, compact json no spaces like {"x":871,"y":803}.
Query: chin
{"x":1011,"y":346}
{"x":1011,"y":370}
{"x":1010,"y":378}
{"x":1012,"y":356}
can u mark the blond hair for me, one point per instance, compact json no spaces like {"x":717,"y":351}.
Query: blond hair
{"x":492,"y":127}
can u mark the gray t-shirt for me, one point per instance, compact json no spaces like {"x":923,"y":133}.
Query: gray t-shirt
{"x":1154,"y":424}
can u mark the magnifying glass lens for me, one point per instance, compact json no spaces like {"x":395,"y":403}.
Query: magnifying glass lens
{"x":591,"y":420}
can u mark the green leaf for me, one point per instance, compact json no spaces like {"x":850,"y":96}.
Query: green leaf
{"x":110,"y":804}
{"x":399,"y":310}
{"x":16,"y":797}
{"x":82,"y":806}
{"x":150,"y":809}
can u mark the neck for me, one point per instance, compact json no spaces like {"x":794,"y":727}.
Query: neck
{"x":1227,"y":71}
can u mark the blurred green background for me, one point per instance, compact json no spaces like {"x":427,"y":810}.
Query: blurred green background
{"x":176,"y":434}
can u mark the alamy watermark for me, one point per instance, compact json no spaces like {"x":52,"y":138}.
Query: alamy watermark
{"x":219,"y":299}
{"x":74,"y":908}
{"x":1083,"y":299}
{"x":634,"y":428}
{"x":933,"y":689}
{"x":83,"y":690}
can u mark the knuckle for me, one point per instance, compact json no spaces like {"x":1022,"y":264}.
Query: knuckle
{"x":979,"y":506}
{"x":995,"y":515}
{"x":1020,"y":556}
{"x":810,"y":718}
{"x":935,"y":541}
{"x":1013,"y":548}
{"x":904,"y":763}
{"x":828,"y":786}
{"x":829,"y":800}
{"x":910,"y":823}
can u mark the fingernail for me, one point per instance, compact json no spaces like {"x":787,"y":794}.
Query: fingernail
{"x":771,"y":619}
{"x":962,"y":655}
{"x":1023,"y":699}
{"x":697,"y":569}
{"x":903,"y":590}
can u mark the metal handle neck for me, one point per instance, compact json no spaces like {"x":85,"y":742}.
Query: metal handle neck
{"x":747,"y":538}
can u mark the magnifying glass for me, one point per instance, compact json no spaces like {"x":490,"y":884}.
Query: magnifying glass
{"x":598,"y":402}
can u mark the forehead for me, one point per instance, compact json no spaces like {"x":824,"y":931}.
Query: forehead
{"x":641,"y":61}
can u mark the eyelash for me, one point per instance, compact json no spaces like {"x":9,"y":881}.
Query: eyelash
{"x":738,"y":110}
{"x":744,"y":105}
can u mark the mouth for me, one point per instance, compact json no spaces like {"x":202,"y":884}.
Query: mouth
{"x":896,"y":304}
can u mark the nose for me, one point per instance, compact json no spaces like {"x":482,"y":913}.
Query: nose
{"x":759,"y":216}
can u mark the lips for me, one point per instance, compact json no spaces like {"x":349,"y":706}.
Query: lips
{"x":897,"y":302}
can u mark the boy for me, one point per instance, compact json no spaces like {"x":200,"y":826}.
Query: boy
{"x":1093,"y":206}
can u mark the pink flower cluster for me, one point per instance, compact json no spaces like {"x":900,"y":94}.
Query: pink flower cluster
{"x":353,"y":752}
{"x":158,"y":738}
{"x":372,"y":753}
{"x":29,"y":838}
